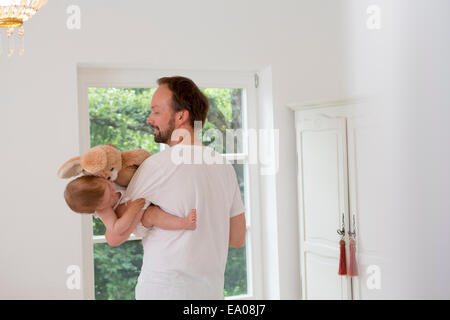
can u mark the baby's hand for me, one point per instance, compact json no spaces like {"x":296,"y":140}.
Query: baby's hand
{"x":136,"y":204}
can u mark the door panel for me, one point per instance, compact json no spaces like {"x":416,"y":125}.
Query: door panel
{"x":323,"y":197}
{"x":321,"y":181}
{"x":366,"y":183}
{"x":322,"y":282}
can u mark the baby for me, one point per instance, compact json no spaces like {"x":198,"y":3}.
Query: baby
{"x":91,"y":194}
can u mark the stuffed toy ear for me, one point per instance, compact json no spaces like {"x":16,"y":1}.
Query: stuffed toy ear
{"x":134,"y":157}
{"x":111,"y":145}
{"x":70,"y":169}
{"x":94,"y":160}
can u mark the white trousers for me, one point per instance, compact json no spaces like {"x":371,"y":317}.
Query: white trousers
{"x":165,"y":289}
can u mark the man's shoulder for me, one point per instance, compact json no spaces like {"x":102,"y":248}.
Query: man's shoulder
{"x":157,"y":157}
{"x":188,"y":155}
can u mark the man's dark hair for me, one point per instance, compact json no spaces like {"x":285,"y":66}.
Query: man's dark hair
{"x":187,"y":96}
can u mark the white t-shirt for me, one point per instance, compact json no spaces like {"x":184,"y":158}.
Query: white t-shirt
{"x":185,"y":264}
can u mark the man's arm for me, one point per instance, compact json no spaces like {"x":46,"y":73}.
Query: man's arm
{"x":238,"y":228}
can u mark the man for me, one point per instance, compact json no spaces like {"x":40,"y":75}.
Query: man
{"x":180,"y":264}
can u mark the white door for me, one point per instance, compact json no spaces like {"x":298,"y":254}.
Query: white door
{"x":323,"y":198}
{"x":367,"y":185}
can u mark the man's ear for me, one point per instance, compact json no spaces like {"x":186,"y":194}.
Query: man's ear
{"x":181,"y":117}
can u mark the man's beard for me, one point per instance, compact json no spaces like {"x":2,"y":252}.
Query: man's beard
{"x":166,"y":135}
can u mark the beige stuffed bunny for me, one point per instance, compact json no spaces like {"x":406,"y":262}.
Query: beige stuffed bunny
{"x":107,"y":162}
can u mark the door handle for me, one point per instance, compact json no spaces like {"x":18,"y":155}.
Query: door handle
{"x":353,"y":232}
{"x":341,"y":231}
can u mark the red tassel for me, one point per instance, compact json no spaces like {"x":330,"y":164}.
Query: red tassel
{"x":342,"y":259}
{"x":353,"y":267}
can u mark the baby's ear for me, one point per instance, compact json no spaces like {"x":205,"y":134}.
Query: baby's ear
{"x":70,"y":168}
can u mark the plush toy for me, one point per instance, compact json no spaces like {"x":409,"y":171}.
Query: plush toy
{"x":107,"y":162}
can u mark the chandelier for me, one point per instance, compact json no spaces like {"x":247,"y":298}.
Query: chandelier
{"x":13,"y":13}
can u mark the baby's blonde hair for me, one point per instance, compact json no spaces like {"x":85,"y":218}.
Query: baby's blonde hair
{"x":84,"y":194}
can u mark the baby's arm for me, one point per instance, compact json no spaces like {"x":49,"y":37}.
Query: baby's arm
{"x":155,"y":216}
{"x":120,"y":226}
{"x":120,"y":211}
{"x":130,"y":218}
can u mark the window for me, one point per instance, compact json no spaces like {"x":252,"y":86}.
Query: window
{"x":117,"y":114}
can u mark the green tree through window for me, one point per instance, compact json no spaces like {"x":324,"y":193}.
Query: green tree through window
{"x":117,"y":116}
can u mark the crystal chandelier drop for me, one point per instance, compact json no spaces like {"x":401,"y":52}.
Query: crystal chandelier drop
{"x":13,"y":13}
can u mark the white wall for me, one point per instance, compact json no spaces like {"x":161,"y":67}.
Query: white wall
{"x":405,"y":67}
{"x":424,"y":137}
{"x":311,"y":50}
{"x":302,"y":42}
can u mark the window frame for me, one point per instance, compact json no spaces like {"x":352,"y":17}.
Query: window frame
{"x":104,"y":76}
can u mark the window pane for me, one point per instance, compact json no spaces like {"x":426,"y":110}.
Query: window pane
{"x":117,"y":116}
{"x":99,"y":227}
{"x":240,"y":175}
{"x":225,"y":113}
{"x":236,"y":272}
{"x":236,"y":269}
{"x":117,"y":270}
